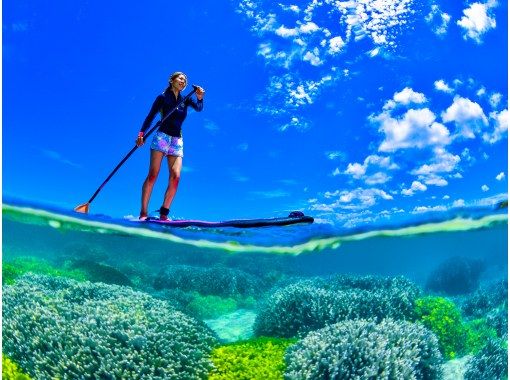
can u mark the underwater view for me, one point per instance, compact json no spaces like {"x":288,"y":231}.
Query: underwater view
{"x":91,"y":297}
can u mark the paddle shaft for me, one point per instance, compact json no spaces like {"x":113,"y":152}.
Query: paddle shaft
{"x":136,"y":146}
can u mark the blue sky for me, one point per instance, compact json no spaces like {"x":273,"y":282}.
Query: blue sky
{"x":353,"y":112}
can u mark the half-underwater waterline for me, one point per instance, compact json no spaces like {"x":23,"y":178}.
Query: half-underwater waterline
{"x":97,"y":298}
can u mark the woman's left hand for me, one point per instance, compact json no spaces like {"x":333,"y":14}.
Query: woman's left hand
{"x":200,"y":93}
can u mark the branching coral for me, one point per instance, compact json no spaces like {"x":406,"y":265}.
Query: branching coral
{"x":490,"y":364}
{"x":361,"y":349}
{"x":60,"y":328}
{"x":487,"y":298}
{"x":457,"y":275}
{"x":219,"y":281}
{"x":261,"y":358}
{"x":312,"y":304}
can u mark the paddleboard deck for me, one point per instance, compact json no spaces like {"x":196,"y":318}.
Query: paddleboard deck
{"x":295,"y":217}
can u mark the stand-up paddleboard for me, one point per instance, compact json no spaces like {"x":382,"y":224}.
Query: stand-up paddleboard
{"x":295,"y":217}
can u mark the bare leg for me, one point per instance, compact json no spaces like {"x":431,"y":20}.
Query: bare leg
{"x":174,"y":166}
{"x":148,"y":184}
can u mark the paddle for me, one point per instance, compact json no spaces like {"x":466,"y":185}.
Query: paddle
{"x":84,"y":208}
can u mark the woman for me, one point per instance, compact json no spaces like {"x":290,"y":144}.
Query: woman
{"x":168,"y":140}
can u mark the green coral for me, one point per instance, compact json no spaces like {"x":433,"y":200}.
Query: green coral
{"x":11,"y":270}
{"x":261,"y":358}
{"x":207,"y":307}
{"x":478,"y":333}
{"x":442,"y":317}
{"x":11,"y":371}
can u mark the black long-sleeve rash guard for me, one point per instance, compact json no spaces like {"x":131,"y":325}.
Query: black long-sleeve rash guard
{"x":164,"y":104}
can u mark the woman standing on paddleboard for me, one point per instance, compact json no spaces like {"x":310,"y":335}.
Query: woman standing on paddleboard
{"x":168,"y":139}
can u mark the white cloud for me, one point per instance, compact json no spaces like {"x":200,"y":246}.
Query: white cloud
{"x":336,"y":172}
{"x":500,"y":176}
{"x":423,"y":209}
{"x":313,"y":57}
{"x":467,"y":115}
{"x":405,"y":97}
{"x":500,"y":123}
{"x":459,"y":203}
{"x":335,"y":45}
{"x":477,"y":20}
{"x":416,"y":129}
{"x":443,"y":162}
{"x":438,"y":20}
{"x":336,"y":155}
{"x":441,"y":85}
{"x":356,"y":199}
{"x":296,"y":123}
{"x":373,"y":164}
{"x":485,"y":188}
{"x":415,"y":186}
{"x":284,"y":32}
{"x":293,"y":8}
{"x":309,"y":27}
{"x":495,"y":99}
{"x":481,"y":91}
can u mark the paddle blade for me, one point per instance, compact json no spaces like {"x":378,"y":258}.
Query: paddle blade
{"x":84,"y":208}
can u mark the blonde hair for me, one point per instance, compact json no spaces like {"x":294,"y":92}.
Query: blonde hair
{"x":175,"y":75}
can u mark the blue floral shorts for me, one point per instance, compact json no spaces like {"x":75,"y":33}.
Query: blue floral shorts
{"x":169,"y":145}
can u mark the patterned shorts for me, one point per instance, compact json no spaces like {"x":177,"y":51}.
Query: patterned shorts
{"x":169,"y":145}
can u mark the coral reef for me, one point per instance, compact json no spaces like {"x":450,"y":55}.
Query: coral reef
{"x":457,"y":275}
{"x":204,"y":307}
{"x":261,"y":358}
{"x":486,"y":298}
{"x":312,"y":304}
{"x":97,"y":272}
{"x":364,"y":349}
{"x":60,"y":328}
{"x":11,"y":371}
{"x":491,"y":363}
{"x":14,"y":268}
{"x":444,"y":319}
{"x":219,"y":281}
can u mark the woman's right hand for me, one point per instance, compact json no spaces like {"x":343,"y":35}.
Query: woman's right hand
{"x":139,"y":140}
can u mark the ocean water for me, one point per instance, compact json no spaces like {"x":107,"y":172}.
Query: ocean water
{"x":93,"y":297}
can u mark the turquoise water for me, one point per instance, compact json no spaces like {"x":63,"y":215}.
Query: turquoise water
{"x":72,"y":274}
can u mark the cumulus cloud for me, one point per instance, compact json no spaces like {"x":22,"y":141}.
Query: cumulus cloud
{"x":441,"y":85}
{"x":335,"y":45}
{"x":477,"y":20}
{"x":370,"y":171}
{"x":459,"y":203}
{"x":438,"y":20}
{"x":495,"y":99}
{"x":499,"y":120}
{"x":405,"y":97}
{"x":432,"y":173}
{"x":467,"y":115}
{"x":500,"y":176}
{"x":423,"y":209}
{"x":356,"y":199}
{"x":416,"y":129}
{"x":415,"y":186}
{"x":485,"y":188}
